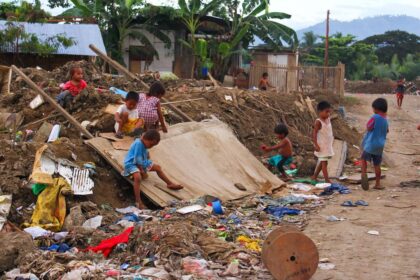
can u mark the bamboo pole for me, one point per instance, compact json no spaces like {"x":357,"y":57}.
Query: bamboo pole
{"x":52,"y":102}
{"x":130,"y":75}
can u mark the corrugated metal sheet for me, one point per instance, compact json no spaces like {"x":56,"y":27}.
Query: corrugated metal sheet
{"x":83,"y":34}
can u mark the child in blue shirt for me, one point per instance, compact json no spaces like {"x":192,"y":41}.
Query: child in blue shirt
{"x":374,"y":142}
{"x":137,"y":163}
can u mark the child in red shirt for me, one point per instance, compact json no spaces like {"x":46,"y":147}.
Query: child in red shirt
{"x":73,"y":87}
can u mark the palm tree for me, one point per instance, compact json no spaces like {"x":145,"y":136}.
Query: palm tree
{"x":117,"y":21}
{"x":309,"y":40}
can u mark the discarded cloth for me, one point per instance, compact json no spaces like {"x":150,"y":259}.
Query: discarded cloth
{"x":282,"y":201}
{"x":335,"y":187}
{"x":252,"y":244}
{"x":38,"y":188}
{"x":106,"y":246}
{"x":305,"y":180}
{"x":279,"y":212}
{"x":60,"y":248}
{"x":50,"y":209}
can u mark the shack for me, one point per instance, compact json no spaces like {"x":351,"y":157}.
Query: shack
{"x":82,"y":34}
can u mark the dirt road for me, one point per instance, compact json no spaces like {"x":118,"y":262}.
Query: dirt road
{"x":394,"y":213}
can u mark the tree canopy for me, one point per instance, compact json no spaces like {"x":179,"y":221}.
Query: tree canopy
{"x":392,"y":43}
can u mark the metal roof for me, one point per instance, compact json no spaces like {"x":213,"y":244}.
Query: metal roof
{"x":83,"y":34}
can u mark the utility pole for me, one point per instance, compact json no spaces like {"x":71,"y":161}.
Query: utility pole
{"x":327,"y":34}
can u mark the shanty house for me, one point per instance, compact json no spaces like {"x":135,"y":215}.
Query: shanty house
{"x":82,"y":34}
{"x":177,"y":58}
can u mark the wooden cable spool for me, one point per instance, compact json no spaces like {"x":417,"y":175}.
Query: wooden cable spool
{"x":289,"y":254}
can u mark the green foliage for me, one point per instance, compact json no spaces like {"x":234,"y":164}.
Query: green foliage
{"x":25,"y":12}
{"x":396,"y":42}
{"x":116,"y":20}
{"x":16,"y":40}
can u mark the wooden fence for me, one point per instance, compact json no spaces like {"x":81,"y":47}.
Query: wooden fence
{"x":300,"y":78}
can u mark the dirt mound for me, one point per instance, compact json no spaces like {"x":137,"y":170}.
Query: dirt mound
{"x":386,"y":86}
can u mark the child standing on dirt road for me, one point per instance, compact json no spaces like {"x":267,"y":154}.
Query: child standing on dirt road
{"x":323,"y":139}
{"x":400,"y":91}
{"x":284,"y":148}
{"x":374,"y":142}
{"x":149,"y":107}
{"x":127,"y":119}
{"x":71,"y":88}
{"x":137,"y":163}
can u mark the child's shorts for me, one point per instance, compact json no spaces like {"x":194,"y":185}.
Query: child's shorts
{"x":131,"y":169}
{"x":274,"y":160}
{"x":321,"y":159}
{"x":376,"y":159}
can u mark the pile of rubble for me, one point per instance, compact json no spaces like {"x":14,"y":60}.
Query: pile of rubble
{"x":101,"y":237}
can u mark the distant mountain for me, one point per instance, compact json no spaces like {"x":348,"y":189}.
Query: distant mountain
{"x":366,"y":27}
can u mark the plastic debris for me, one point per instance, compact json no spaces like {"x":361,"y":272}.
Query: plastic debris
{"x":217,"y":207}
{"x":252,"y":244}
{"x":279,"y":212}
{"x":190,"y":209}
{"x":94,"y":222}
{"x":326,"y":266}
{"x":373,"y":232}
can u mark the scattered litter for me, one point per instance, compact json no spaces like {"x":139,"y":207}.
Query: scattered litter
{"x":361,"y":203}
{"x":279,"y":212}
{"x":228,"y":98}
{"x":348,"y":203}
{"x":36,"y":102}
{"x":189,"y":209}
{"x":334,"y":219}
{"x":249,"y":243}
{"x":373,"y":232}
{"x":217,"y":207}
{"x":93,"y":223}
{"x":326,"y":266}
{"x":5,"y":204}
{"x":36,"y":232}
{"x":322,"y":186}
{"x":197,"y":267}
{"x":306,"y":196}
{"x":55,"y":133}
{"x":300,"y":187}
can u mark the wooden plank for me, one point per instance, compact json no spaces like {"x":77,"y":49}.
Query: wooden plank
{"x":111,"y":136}
{"x":357,"y":179}
{"x":111,"y":108}
{"x":122,"y":145}
{"x":52,"y":102}
{"x":5,"y":79}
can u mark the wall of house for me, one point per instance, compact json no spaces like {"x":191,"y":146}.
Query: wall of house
{"x":166,"y":56}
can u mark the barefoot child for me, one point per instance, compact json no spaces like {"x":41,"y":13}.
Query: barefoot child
{"x":149,"y":107}
{"x":374,"y":142}
{"x":400,"y":91}
{"x":264,"y":83}
{"x":127,"y":119}
{"x":284,"y":148}
{"x":71,"y":88}
{"x":323,"y":140}
{"x":137,"y":163}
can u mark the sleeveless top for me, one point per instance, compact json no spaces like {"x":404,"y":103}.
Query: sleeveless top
{"x":147,"y":108}
{"x":374,"y":140}
{"x":325,"y":139}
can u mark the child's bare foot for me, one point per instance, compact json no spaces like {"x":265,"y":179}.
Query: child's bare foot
{"x":140,"y":205}
{"x":378,"y":187}
{"x":365,"y":182}
{"x":144,"y":175}
{"x":175,"y":187}
{"x":119,"y":135}
{"x":314,"y":178}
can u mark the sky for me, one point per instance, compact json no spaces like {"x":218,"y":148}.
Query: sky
{"x":308,"y":12}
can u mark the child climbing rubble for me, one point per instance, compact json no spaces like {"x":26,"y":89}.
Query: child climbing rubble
{"x":137,"y":163}
{"x":149,"y":108}
{"x":285,"y":150}
{"x":374,"y":142}
{"x":323,"y":139}
{"x":71,"y":88}
{"x":127,"y":119}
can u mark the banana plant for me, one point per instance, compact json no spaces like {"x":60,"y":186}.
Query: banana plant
{"x":191,"y":13}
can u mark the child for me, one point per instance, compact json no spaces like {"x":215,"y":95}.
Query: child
{"x":264,"y":83}
{"x":400,"y":91}
{"x":323,"y":140}
{"x":137,"y":163}
{"x":374,"y":142}
{"x":72,"y":88}
{"x":149,"y":107}
{"x":284,"y":148}
{"x":127,"y":119}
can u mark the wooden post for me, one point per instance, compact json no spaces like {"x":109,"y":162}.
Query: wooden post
{"x":327,"y":34}
{"x":131,"y":76}
{"x":342,"y":77}
{"x":52,"y":102}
